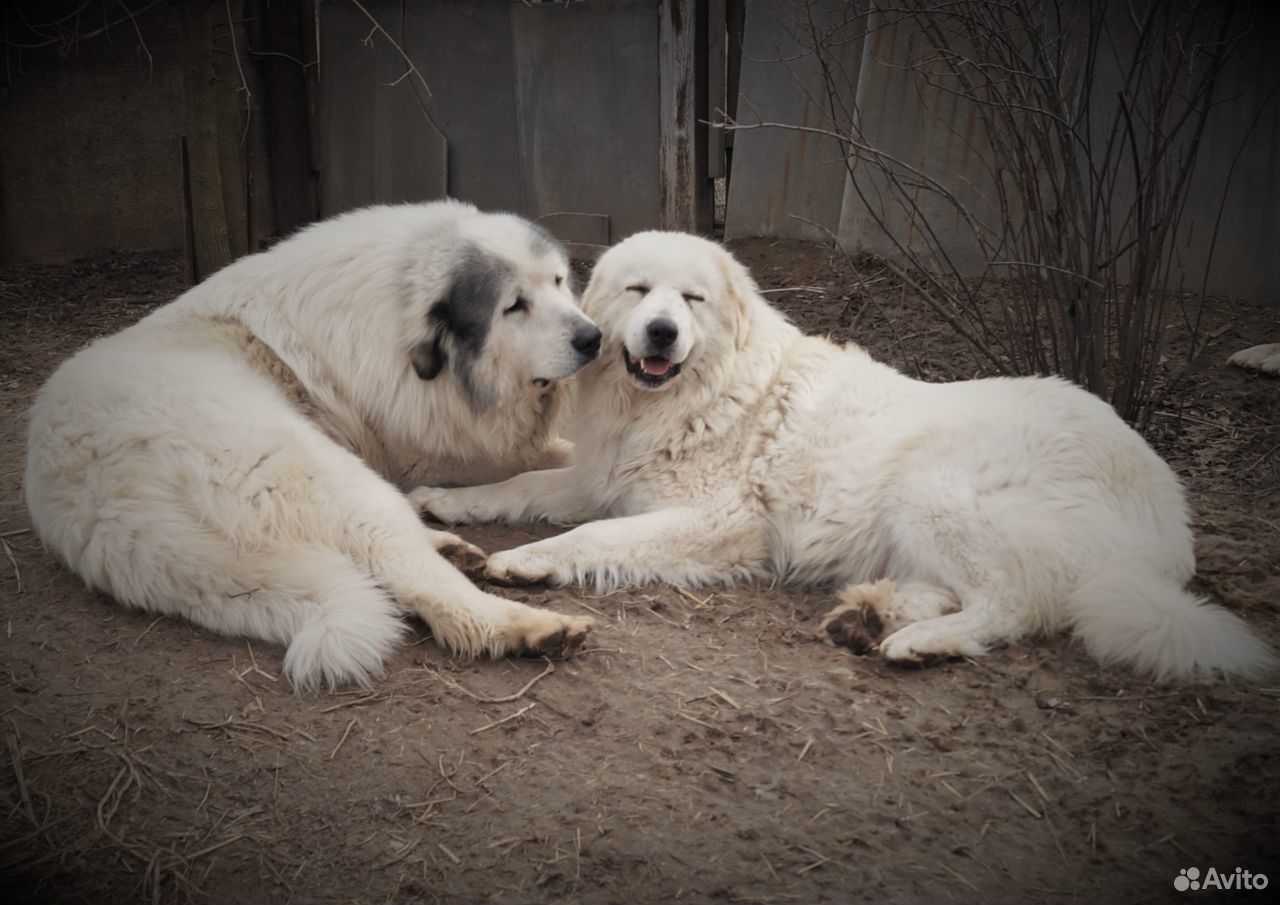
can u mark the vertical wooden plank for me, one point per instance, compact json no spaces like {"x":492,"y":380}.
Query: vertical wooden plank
{"x":703,"y":196}
{"x":286,"y":113}
{"x":229,"y":58}
{"x":189,"y":269}
{"x":677,"y":116}
{"x":717,"y":95}
{"x":210,"y":242}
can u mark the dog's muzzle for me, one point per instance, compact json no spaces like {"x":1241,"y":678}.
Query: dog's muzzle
{"x":652,"y":370}
{"x":586,"y":341}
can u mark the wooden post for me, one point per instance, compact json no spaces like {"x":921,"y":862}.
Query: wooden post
{"x":232,"y":102}
{"x":717,"y":95}
{"x":677,"y":100}
{"x":210,"y":244}
{"x":287,"y":105}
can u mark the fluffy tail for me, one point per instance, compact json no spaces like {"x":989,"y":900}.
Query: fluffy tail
{"x":1129,"y":613}
{"x":338,"y":624}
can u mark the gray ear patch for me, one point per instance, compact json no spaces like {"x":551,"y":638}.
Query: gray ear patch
{"x":466,"y":311}
{"x":459,"y":322}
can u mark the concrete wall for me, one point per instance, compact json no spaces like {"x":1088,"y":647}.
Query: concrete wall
{"x":89,"y":153}
{"x":790,"y":184}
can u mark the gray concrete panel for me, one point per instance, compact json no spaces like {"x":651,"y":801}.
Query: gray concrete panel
{"x":378,"y":143}
{"x":934,"y":136}
{"x":791,"y":183}
{"x":587,"y":87}
{"x":466,"y":53}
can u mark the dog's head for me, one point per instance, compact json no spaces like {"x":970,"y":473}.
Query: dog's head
{"x":500,"y":314}
{"x":667,"y":303}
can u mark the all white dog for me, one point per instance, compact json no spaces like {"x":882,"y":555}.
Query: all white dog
{"x":232,"y":458}
{"x":715,"y":442}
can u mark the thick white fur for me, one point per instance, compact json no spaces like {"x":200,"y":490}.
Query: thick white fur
{"x":1025,"y":504}
{"x":232,"y":458}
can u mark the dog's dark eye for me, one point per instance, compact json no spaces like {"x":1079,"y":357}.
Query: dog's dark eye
{"x":693,"y":297}
{"x":520,"y":304}
{"x":640,"y":288}
{"x":559,"y":280}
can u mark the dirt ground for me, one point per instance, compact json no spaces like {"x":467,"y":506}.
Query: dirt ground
{"x":702,"y":748}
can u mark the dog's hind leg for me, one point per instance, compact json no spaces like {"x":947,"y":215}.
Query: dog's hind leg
{"x":996,"y":604}
{"x":1002,"y":582}
{"x":982,"y":623}
{"x":336,"y":623}
{"x":348,"y":626}
{"x":868,"y":610}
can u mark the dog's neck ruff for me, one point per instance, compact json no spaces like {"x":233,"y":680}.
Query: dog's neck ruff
{"x":267,"y":362}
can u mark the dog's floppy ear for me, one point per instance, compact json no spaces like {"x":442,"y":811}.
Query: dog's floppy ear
{"x":742,"y":291}
{"x":459,"y":321}
{"x":428,"y":357}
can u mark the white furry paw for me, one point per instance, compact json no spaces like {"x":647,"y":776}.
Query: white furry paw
{"x":521,"y":566}
{"x":465,"y":556}
{"x":488,"y":625}
{"x":441,"y":503}
{"x":543,"y":633}
{"x":924,"y":642}
{"x":1264,"y":358}
{"x":898,"y":648}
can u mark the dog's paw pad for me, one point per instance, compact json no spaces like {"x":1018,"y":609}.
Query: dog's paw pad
{"x":560,"y":644}
{"x":855,"y":626}
{"x":507,"y":569}
{"x":430,"y":504}
{"x":899,"y":650}
{"x":466,"y":558}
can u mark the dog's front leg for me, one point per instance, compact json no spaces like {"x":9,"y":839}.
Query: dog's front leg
{"x":555,"y":454}
{"x":556,"y":495}
{"x":679,"y":545}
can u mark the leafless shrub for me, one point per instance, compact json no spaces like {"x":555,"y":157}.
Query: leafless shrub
{"x":1085,"y":119}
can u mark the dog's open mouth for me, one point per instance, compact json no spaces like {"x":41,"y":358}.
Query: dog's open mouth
{"x":653,"y":371}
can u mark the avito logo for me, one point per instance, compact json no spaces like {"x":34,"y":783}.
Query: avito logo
{"x":1188,"y":879}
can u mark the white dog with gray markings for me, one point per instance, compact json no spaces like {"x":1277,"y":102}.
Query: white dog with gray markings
{"x":235,"y":456}
{"x":714,"y":442}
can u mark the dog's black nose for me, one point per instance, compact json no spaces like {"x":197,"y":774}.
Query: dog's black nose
{"x":662,"y":332}
{"x":587,"y":340}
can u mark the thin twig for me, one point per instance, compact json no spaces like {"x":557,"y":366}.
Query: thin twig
{"x":244,"y":82}
{"x":345,"y":733}
{"x":17,"y":573}
{"x":505,"y":699}
{"x":506,"y":719}
{"x":15,"y":754}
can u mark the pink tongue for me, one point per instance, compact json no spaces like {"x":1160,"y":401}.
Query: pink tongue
{"x":655,"y":367}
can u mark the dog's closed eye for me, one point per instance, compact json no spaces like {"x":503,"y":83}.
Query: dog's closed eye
{"x":640,"y":288}
{"x":693,"y":297}
{"x":520,"y":304}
